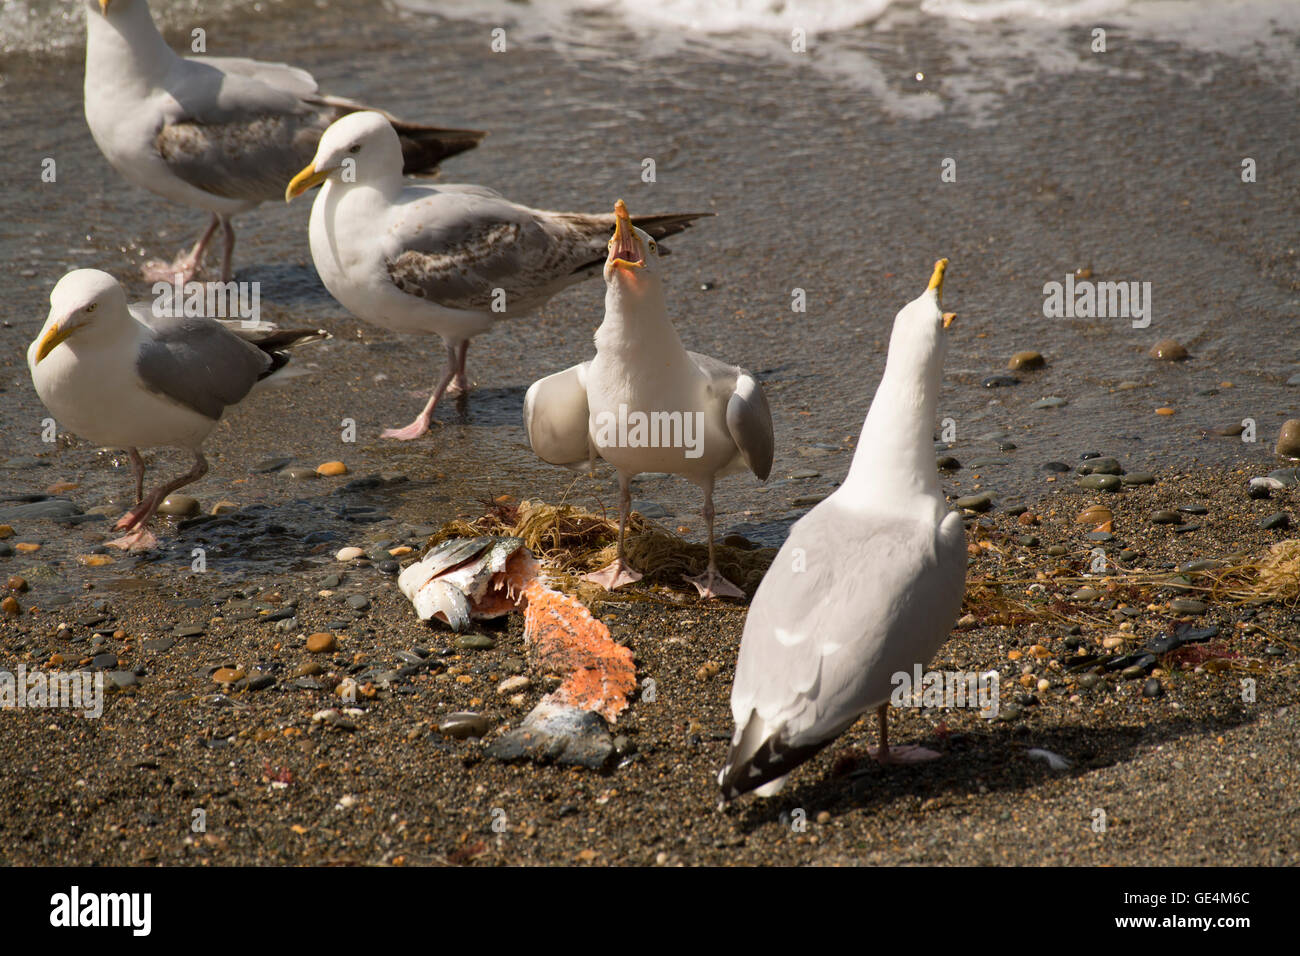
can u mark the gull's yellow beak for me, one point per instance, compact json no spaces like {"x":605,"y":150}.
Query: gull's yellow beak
{"x":625,"y":247}
{"x":103,"y":6}
{"x":936,"y":280}
{"x":304,"y":181}
{"x":51,"y":339}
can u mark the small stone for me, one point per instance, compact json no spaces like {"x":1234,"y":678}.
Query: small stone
{"x":1139,"y":478}
{"x":27,"y":547}
{"x":1025,"y":360}
{"x":1276,"y":521}
{"x":331,"y":469}
{"x":1168,"y":350}
{"x":980,"y":502}
{"x":1089,"y":680}
{"x":10,"y":606}
{"x":321,"y":642}
{"x":1164,"y":410}
{"x":464,"y":724}
{"x":475,"y":642}
{"x":1056,"y":466}
{"x":947,"y":463}
{"x":1101,"y":466}
{"x":156,"y":645}
{"x":1153,"y":688}
{"x":1084,"y":594}
{"x":6,"y":531}
{"x":1132,"y":673}
{"x":1051,"y":401}
{"x":104,"y":662}
{"x":122,"y":679}
{"x":1000,"y":381}
{"x":1287,"y":476}
{"x":348,"y":554}
{"x":299,"y":473}
{"x":18,"y":584}
{"x":228,"y":675}
{"x":188,"y":630}
{"x":178,"y":506}
{"x":309,"y":669}
{"x":1187,"y":606}
{"x":1112,"y":641}
{"x":802,"y":473}
{"x":1100,"y":482}
{"x":513,"y":685}
{"x":358,"y":602}
{"x":1095,"y":515}
{"x":708,"y":670}
{"x":1261,"y":488}
{"x":1288,"y":440}
{"x":1166,"y":517}
{"x":94,"y":560}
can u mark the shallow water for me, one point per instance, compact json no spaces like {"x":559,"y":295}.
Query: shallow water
{"x":824,"y":169}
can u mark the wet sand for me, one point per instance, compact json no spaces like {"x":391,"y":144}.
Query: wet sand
{"x":1131,"y":172}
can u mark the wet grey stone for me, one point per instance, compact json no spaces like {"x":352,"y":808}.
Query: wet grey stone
{"x":269,"y":465}
{"x":103,"y":662}
{"x":802,"y":473}
{"x":1099,"y":482}
{"x":409,"y":658}
{"x":1153,"y":688}
{"x":188,"y":630}
{"x":1190,"y":526}
{"x":299,"y":473}
{"x":6,"y":550}
{"x":157,"y":645}
{"x":1100,"y":536}
{"x":358,"y":602}
{"x":1194,"y":509}
{"x":804,"y":501}
{"x":1089,"y":680}
{"x":554,"y":733}
{"x":1056,"y":466}
{"x":1000,"y":381}
{"x":260,"y":681}
{"x":1288,"y":476}
{"x":980,"y":502}
{"x":1139,"y":478}
{"x":649,"y":509}
{"x":1057,"y":550}
{"x":287,"y":625}
{"x":1128,"y":555}
{"x":1260,"y":488}
{"x":279,"y":614}
{"x":989,"y":462}
{"x":331,"y":581}
{"x":1200,"y":564}
{"x":1051,"y":401}
{"x":1028,"y":540}
{"x":179,"y":506}
{"x":1187,"y":606}
{"x":475,"y":642}
{"x":36,"y":510}
{"x":464,"y":724}
{"x":122,"y":679}
{"x":1166,"y":516}
{"x":1132,"y":673}
{"x":388,"y":566}
{"x":1009,"y":712}
{"x":1101,"y":466}
{"x":1276,"y":521}
{"x":1275,"y":650}
{"x":308,"y":683}
{"x":947,"y":463}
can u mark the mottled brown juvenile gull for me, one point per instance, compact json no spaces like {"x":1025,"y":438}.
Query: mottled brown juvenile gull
{"x":120,"y":376}
{"x":219,"y":133}
{"x":446,"y":260}
{"x":644,"y":403}
{"x":867,"y":585}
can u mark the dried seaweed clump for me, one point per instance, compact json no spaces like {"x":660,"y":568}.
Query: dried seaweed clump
{"x":1273,"y":577}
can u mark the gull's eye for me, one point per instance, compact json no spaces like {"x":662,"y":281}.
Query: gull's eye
{"x":610,"y":244}
{"x":653,"y":247}
{"x":92,"y":307}
{"x":355,"y":149}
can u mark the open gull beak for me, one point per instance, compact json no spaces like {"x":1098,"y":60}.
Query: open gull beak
{"x":51,"y":339}
{"x":304,"y":181}
{"x":626,"y":250}
{"x":103,"y":6}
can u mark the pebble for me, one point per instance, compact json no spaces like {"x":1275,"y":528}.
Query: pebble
{"x":1168,"y":350}
{"x":513,"y":685}
{"x":464,"y":724}
{"x":1051,"y":401}
{"x":331,"y":469}
{"x":1099,"y":482}
{"x":804,"y":501}
{"x":358,"y":602}
{"x":1263,"y":487}
{"x":158,"y":644}
{"x":1166,"y":517}
{"x":27,"y":547}
{"x":18,"y":584}
{"x":1097,"y":514}
{"x":1288,"y":440}
{"x":947,"y":463}
{"x":223,"y":508}
{"x":6,"y":531}
{"x":122,"y":679}
{"x":49,"y":508}
{"x":475,"y":642}
{"x":10,"y":606}
{"x":1139,"y":478}
{"x":1153,"y":688}
{"x":178,"y":506}
{"x":1057,"y":466}
{"x":980,"y":502}
{"x":1164,"y":410}
{"x":94,"y":560}
{"x":1187,"y":606}
{"x":1084,"y":594}
{"x":1287,"y":476}
{"x":321,"y":642}
{"x":104,"y":662}
{"x":1000,"y":381}
{"x":1101,"y":466}
{"x":708,"y":670}
{"x":299,"y":473}
{"x":228,"y":675}
{"x":802,"y":473}
{"x":1276,"y":521}
{"x":1089,"y":680}
{"x":1026,"y":360}
{"x":348,"y":554}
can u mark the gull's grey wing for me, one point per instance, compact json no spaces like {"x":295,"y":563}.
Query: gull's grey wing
{"x":456,"y":247}
{"x":851,"y":599}
{"x":282,"y":76}
{"x":556,"y":417}
{"x":749,"y":420}
{"x":199,"y":363}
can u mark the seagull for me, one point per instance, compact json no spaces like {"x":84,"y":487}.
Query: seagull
{"x":447,"y":260}
{"x":121,"y":376}
{"x":867,"y":585}
{"x":218,"y":133}
{"x":644,"y":403}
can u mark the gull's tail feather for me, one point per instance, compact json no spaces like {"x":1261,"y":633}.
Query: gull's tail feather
{"x":276,"y":342}
{"x":424,"y":147}
{"x":664,"y":224}
{"x":760,"y":759}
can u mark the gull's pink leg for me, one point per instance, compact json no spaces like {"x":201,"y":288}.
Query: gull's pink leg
{"x":460,"y":384}
{"x":135,"y":520}
{"x":711,"y":584}
{"x":137,"y":469}
{"x":228,"y":249}
{"x":904,"y":753}
{"x":188,"y":264}
{"x":619,"y":572}
{"x":422,"y":420}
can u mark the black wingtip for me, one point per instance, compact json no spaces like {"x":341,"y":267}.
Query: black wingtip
{"x":425,"y":147}
{"x":771,"y":760}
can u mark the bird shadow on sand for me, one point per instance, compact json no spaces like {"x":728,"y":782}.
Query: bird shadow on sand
{"x":284,"y":285}
{"x":484,"y":407}
{"x":996,"y":759}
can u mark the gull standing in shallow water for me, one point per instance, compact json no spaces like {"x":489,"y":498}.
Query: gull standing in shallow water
{"x":867,"y":585}
{"x":446,"y":260}
{"x":118,"y":375}
{"x":715,"y":414}
{"x":219,"y":133}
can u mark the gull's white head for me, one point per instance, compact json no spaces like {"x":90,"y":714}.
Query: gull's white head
{"x":113,"y":7}
{"x":919,"y":341}
{"x":633,"y":260}
{"x":360,"y":147}
{"x":84,"y":303}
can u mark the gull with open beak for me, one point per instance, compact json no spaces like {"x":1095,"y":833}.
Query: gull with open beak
{"x":867,"y":585}
{"x":445,"y":260}
{"x":118,"y":375}
{"x":219,"y":133}
{"x":644,"y":403}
